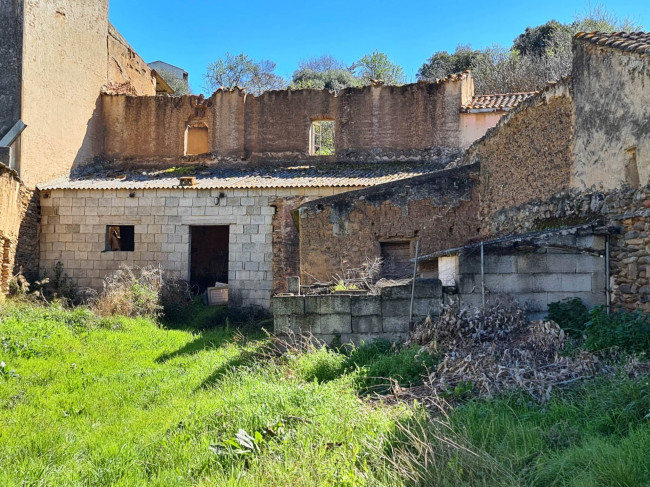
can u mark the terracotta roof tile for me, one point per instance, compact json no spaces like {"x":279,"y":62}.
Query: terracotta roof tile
{"x":638,"y":42}
{"x":342,"y":175}
{"x":498,"y":102}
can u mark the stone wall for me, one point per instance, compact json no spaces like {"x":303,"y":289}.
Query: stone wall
{"x":64,"y":68}
{"x":536,"y":275}
{"x":412,"y":122}
{"x":11,"y":46}
{"x":126,"y":70}
{"x":19,"y":227}
{"x":356,"y":318}
{"x":612,"y":100}
{"x":341,"y":232}
{"x":74,"y":226}
{"x":528,"y":154}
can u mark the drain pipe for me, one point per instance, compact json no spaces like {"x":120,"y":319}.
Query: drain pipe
{"x":415,"y":270}
{"x":608,"y":290}
{"x":482,"y":274}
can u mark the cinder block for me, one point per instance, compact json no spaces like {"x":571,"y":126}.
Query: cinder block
{"x":427,"y":307}
{"x":395,"y":324}
{"x":563,"y":263}
{"x":531,"y":263}
{"x":500,"y":264}
{"x":395,"y":307}
{"x":306,"y":324}
{"x":576,"y":282}
{"x":598,"y":282}
{"x":281,"y":323}
{"x":331,"y":324}
{"x":365,"y":305}
{"x":366,"y":324}
{"x":589,"y":263}
{"x":469,"y":264}
{"x":331,"y":304}
{"x":312,"y":304}
{"x":428,"y":288}
{"x":547,"y":282}
{"x":396,"y":292}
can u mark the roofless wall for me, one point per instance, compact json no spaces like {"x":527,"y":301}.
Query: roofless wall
{"x":412,"y":122}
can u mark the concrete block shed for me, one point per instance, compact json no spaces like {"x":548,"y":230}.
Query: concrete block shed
{"x":231,"y":226}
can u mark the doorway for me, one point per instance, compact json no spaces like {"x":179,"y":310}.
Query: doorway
{"x":209,"y":255}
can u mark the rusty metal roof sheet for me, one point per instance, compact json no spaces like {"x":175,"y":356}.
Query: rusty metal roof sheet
{"x":497,"y":102}
{"x":638,"y":42}
{"x":317,"y":176}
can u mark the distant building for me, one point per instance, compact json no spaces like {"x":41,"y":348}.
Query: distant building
{"x":173,"y":71}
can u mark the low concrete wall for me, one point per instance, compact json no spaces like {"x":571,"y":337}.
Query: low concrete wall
{"x":537,"y":278}
{"x":356,"y":318}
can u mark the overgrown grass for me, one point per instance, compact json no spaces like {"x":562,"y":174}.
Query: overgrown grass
{"x":127,"y":401}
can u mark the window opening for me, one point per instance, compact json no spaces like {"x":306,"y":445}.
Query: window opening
{"x":396,"y":259}
{"x":196,"y":140}
{"x":120,"y":238}
{"x":321,"y":138}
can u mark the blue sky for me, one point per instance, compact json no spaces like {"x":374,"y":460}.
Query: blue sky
{"x":192,"y":33}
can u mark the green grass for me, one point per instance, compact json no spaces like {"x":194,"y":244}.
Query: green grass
{"x":88,"y":401}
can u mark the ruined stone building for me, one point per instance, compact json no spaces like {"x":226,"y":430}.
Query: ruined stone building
{"x":102,"y":168}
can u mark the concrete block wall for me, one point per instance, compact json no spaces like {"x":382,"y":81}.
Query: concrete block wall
{"x":74,"y":222}
{"x":537,"y":278}
{"x":355,"y":318}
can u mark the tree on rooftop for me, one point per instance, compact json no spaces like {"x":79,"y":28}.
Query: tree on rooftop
{"x":377,"y":66}
{"x":243,"y":71}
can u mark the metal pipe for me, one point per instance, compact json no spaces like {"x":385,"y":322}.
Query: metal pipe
{"x":415,"y":270}
{"x":608,"y":290}
{"x":482,"y":273}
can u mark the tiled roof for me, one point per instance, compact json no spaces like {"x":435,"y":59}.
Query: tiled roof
{"x":341,"y":175}
{"x":493,"y":103}
{"x":638,"y":42}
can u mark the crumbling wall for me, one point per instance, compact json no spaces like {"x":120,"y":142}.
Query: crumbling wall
{"x":11,"y":46}
{"x":340,"y":232}
{"x":155,"y":127}
{"x":19,"y":217}
{"x":64,"y":68}
{"x":126,"y":70}
{"x":529,"y":154}
{"x":412,"y":122}
{"x":612,"y":100}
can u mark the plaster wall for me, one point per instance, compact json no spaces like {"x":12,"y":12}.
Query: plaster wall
{"x":473,"y":126}
{"x":64,"y":68}
{"x":611,"y":89}
{"x":126,"y":68}
{"x":74,"y":224}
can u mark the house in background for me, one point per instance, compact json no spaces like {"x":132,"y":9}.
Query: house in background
{"x":174,"y":76}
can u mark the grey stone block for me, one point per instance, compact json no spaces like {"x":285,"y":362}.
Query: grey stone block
{"x":312,"y":304}
{"x":576,"y":282}
{"x":471,"y":300}
{"x":531,"y":263}
{"x":468,"y":284}
{"x":395,"y":307}
{"x":507,"y":283}
{"x":395,"y":324}
{"x":288,"y":305}
{"x":469,"y":264}
{"x":396,"y":292}
{"x":591,"y":241}
{"x":331,"y":324}
{"x":547,"y":283}
{"x":427,"y":307}
{"x":589,"y":263}
{"x":533,"y":302}
{"x":334,"y":304}
{"x":428,"y":288}
{"x":308,"y":323}
{"x":281,"y":323}
{"x":598,"y":282}
{"x":365,"y":305}
{"x":366,"y":324}
{"x":500,"y":264}
{"x":564,"y":263}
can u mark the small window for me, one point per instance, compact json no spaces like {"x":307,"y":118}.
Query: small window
{"x":321,"y":138}
{"x":396,"y":259}
{"x":196,"y":140}
{"x":120,"y":238}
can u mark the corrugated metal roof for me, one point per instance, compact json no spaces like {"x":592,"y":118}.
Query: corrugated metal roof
{"x":638,"y":42}
{"x":341,"y":175}
{"x":496,"y":102}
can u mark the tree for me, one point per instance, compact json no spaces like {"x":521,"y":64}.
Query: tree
{"x":442,"y":64}
{"x":333,"y":79}
{"x":322,"y":63}
{"x":377,"y":66}
{"x":244,"y":72}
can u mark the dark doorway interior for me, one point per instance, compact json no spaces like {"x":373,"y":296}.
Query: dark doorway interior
{"x":209,"y":255}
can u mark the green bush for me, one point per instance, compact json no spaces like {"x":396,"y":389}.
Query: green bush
{"x":628,"y":331}
{"x":571,"y":314}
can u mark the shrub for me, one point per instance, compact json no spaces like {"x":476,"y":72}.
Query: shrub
{"x":628,"y":331}
{"x":571,"y":314}
{"x":131,"y":291}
